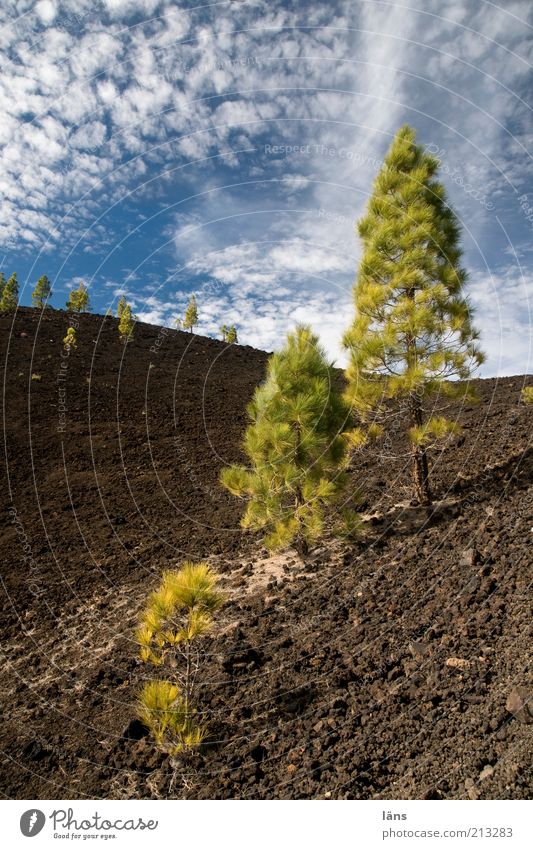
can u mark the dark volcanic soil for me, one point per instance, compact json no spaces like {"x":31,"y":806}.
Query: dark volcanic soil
{"x":377,"y":669}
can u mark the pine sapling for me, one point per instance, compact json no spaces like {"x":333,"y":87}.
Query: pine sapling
{"x":70,"y":339}
{"x":121,"y":306}
{"x":178,"y":614}
{"x":231,"y":337}
{"x":412,"y":331}
{"x":126,"y":324}
{"x":78,"y":299}
{"x":191,"y":314}
{"x":295,"y":446}
{"x":10,"y":295}
{"x":42,"y":292}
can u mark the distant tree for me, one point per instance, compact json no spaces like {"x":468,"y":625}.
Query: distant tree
{"x":70,"y":339}
{"x":224,"y":332}
{"x":412,"y":330}
{"x":231,"y":336}
{"x":178,"y":614}
{"x":121,"y":306}
{"x":78,"y":300}
{"x":10,"y":295}
{"x":42,"y":292}
{"x":126,"y":324}
{"x":294,"y":444}
{"x":191,"y":314}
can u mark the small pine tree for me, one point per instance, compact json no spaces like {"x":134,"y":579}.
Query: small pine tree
{"x":10,"y":295}
{"x":126,"y":324}
{"x":70,"y":339}
{"x":191,"y":314}
{"x":412,"y":330}
{"x":231,"y":336}
{"x":178,"y":614}
{"x":294,"y":444}
{"x":121,"y":306}
{"x":42,"y":292}
{"x":78,"y":300}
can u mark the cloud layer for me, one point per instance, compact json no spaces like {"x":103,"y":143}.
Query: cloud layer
{"x":228,"y":149}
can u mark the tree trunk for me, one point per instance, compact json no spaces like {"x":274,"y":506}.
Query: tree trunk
{"x":420,"y":461}
{"x":300,"y":543}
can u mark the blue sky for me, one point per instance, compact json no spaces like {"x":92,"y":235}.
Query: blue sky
{"x":156,"y":149}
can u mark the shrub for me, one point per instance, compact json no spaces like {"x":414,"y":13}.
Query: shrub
{"x":177,"y":615}
{"x":70,"y":339}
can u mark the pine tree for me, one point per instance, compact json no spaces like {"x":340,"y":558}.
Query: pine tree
{"x":191,"y":314}
{"x":121,"y":306}
{"x":42,"y":292}
{"x":294,"y":445}
{"x":126,"y":324}
{"x":412,"y":330}
{"x":231,"y":336}
{"x":10,"y":295}
{"x":78,"y":300}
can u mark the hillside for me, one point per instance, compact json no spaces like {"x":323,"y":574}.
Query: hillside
{"x":377,"y":669}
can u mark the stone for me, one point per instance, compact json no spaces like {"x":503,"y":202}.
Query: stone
{"x":469,"y":557}
{"x":470,"y":787}
{"x":457,"y":662}
{"x":486,"y":772}
{"x":520,"y":704}
{"x":418,"y":650}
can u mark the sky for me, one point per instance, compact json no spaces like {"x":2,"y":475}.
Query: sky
{"x":155,"y":149}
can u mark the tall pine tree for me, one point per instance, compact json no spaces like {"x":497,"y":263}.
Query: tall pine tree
{"x":294,"y":446}
{"x":42,"y":292}
{"x":10,"y":295}
{"x":412,"y":330}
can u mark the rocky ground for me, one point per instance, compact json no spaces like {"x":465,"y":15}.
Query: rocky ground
{"x":395,"y":666}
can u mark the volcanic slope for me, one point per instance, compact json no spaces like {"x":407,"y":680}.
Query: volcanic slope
{"x":396,"y":666}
